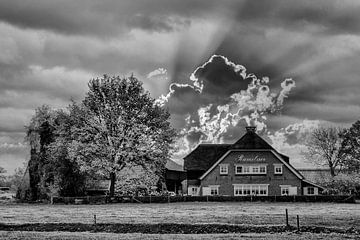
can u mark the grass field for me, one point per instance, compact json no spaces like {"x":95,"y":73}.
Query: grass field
{"x":258,"y":213}
{"x":111,"y":236}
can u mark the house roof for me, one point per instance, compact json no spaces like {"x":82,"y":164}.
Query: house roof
{"x":173,"y":166}
{"x":251,"y":141}
{"x":291,"y":168}
{"x":316,"y":174}
{"x":204,"y":156}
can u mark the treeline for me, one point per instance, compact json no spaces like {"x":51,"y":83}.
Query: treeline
{"x":115,"y":127}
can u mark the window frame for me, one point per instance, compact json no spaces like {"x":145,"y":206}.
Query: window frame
{"x":194,"y":190}
{"x":221,"y":168}
{"x":278,"y":166}
{"x":313,"y":191}
{"x":214,"y":187}
{"x":251,"y":189}
{"x":285,"y":187}
{"x":248,"y":169}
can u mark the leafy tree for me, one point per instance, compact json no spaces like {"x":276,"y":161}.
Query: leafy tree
{"x":324,"y":148}
{"x":2,"y":177}
{"x":39,"y":135}
{"x":342,"y":184}
{"x":50,"y":168}
{"x":119,"y":125}
{"x":351,"y":148}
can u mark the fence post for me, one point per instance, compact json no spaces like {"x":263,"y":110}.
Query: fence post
{"x":52,"y":200}
{"x":94,"y":219}
{"x":298,"y":223}
{"x":287,"y":217}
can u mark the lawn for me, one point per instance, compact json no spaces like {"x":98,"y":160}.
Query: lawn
{"x":256,"y":213}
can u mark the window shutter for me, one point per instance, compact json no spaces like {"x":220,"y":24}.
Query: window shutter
{"x":292,"y":190}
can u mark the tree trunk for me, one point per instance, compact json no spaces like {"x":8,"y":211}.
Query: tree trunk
{"x":112,"y":184}
{"x":332,"y":171}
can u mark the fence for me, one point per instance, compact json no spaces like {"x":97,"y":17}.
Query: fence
{"x":168,"y":199}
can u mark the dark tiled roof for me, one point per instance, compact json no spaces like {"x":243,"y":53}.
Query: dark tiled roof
{"x":204,"y":156}
{"x":251,"y":141}
{"x":173,"y":166}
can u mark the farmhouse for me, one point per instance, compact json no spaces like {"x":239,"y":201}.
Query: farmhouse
{"x":250,"y":166}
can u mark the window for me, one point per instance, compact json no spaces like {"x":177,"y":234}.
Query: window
{"x":278,"y":169}
{"x":250,"y":189}
{"x":288,"y":190}
{"x":214,"y":190}
{"x":193,"y":191}
{"x":238,"y":169}
{"x":263,"y":190}
{"x":284,"y":191}
{"x":310,"y":191}
{"x":223,"y":169}
{"x":249,"y":169}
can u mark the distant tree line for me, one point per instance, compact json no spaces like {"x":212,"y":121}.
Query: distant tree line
{"x":116,"y":126}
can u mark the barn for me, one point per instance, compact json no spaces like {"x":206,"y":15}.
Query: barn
{"x":250,"y":166}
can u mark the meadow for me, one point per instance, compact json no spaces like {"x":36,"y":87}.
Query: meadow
{"x":255,"y":213}
{"x":329,"y":215}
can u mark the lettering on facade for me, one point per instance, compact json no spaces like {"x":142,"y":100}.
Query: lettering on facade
{"x":242,"y":158}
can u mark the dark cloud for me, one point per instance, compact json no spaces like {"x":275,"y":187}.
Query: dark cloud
{"x":219,"y":75}
{"x":220,"y":82}
{"x":108,"y":18}
{"x":111,"y":17}
{"x":330,"y":16}
{"x":185,"y":100}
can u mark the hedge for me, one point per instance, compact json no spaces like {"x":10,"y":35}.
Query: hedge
{"x":168,"y":199}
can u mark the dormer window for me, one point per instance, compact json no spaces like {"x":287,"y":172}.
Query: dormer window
{"x":224,"y":169}
{"x":278,"y":168}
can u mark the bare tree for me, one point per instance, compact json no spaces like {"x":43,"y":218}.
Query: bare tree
{"x":324,"y":148}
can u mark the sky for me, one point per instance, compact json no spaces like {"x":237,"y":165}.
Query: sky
{"x":284,"y":66}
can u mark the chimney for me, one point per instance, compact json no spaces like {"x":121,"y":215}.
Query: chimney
{"x":250,"y":129}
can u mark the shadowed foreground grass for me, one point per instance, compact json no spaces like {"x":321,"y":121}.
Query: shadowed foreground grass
{"x":170,"y":228}
{"x":133,"y":236}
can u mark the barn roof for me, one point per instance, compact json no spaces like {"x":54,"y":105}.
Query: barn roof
{"x":205,"y":155}
{"x":316,"y":174}
{"x":251,"y":141}
{"x":173,"y":166}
